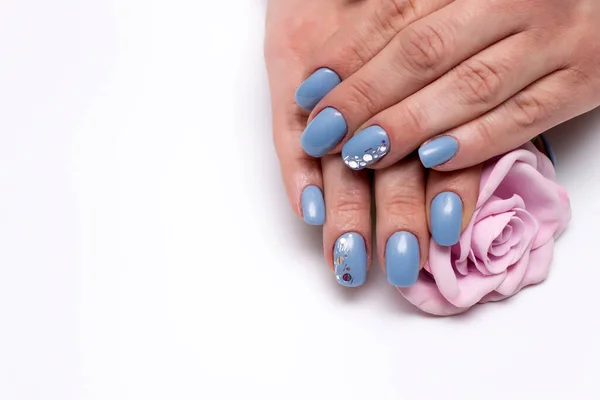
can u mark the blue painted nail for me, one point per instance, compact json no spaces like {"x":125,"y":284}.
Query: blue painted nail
{"x":549,"y":150}
{"x":312,"y":90}
{"x":446,"y":218}
{"x":402,"y":259}
{"x":366,"y":148}
{"x":438,"y":151}
{"x":323,"y":132}
{"x":313,"y":206}
{"x":350,"y":260}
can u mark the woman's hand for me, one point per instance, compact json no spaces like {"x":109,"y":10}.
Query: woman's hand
{"x":469,"y":78}
{"x":409,"y":206}
{"x":295,"y":30}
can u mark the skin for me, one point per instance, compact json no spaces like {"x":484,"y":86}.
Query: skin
{"x":492,"y":74}
{"x":296,"y":31}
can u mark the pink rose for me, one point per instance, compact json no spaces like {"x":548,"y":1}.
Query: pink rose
{"x":508,"y":244}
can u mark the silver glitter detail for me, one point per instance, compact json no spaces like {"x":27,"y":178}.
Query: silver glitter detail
{"x":358,"y":162}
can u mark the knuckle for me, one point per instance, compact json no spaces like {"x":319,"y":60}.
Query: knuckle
{"x":484,"y":134}
{"x":394,"y":14}
{"x":424,"y":47}
{"x":528,"y":110}
{"x":478,"y":82}
{"x":415,"y":118}
{"x":356,"y":49}
{"x":363,"y":94}
{"x":406,"y":209}
{"x":350,"y":202}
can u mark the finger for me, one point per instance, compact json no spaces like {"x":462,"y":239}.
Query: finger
{"x":402,"y":234}
{"x":417,"y":56}
{"x":541,"y":106}
{"x":357,"y":42}
{"x":451,"y":200}
{"x":347,"y":230}
{"x":301,"y":173}
{"x":469,"y":90}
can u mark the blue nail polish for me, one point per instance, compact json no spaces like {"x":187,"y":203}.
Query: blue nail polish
{"x":402,"y":259}
{"x":313,"y":206}
{"x":366,"y":147}
{"x":350,"y":260}
{"x":549,"y":150}
{"x":312,"y":90}
{"x":446,"y":218}
{"x":323,"y":132}
{"x":438,"y":151}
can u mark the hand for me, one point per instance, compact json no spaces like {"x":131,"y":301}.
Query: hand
{"x":295,"y":30}
{"x":409,"y":204}
{"x":469,"y":78}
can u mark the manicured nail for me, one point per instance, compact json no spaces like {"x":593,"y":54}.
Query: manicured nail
{"x":446,"y":218}
{"x":366,"y":147}
{"x":549,"y":150}
{"x":402,"y":259}
{"x":323,"y":132}
{"x":312,"y":90}
{"x":438,"y":151}
{"x":313,"y":206}
{"x":350,"y":260}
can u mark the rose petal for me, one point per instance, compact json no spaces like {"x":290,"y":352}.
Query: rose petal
{"x":474,"y":286}
{"x":497,"y":205}
{"x":534,"y":180}
{"x":486,"y":231}
{"x":515,"y":274}
{"x":440,"y":265}
{"x":538,"y":270}
{"x":540,"y":260}
{"x":425,"y":295}
{"x":501,"y":245}
{"x":462,"y":250}
{"x":525,"y":229}
{"x":479,"y":264}
{"x":495,"y":171}
{"x":463,"y":291}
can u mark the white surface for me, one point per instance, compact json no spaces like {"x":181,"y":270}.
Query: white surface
{"x":147,"y":250}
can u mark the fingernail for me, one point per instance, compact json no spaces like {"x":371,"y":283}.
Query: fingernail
{"x":313,"y":206}
{"x":366,"y":147}
{"x":446,"y":218}
{"x":438,"y":151}
{"x":350,"y":260}
{"x":549,"y":150}
{"x":313,"y":89}
{"x":402,"y":259}
{"x":324,"y":132}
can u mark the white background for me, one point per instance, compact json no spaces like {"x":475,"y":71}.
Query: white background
{"x":147,"y":250}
